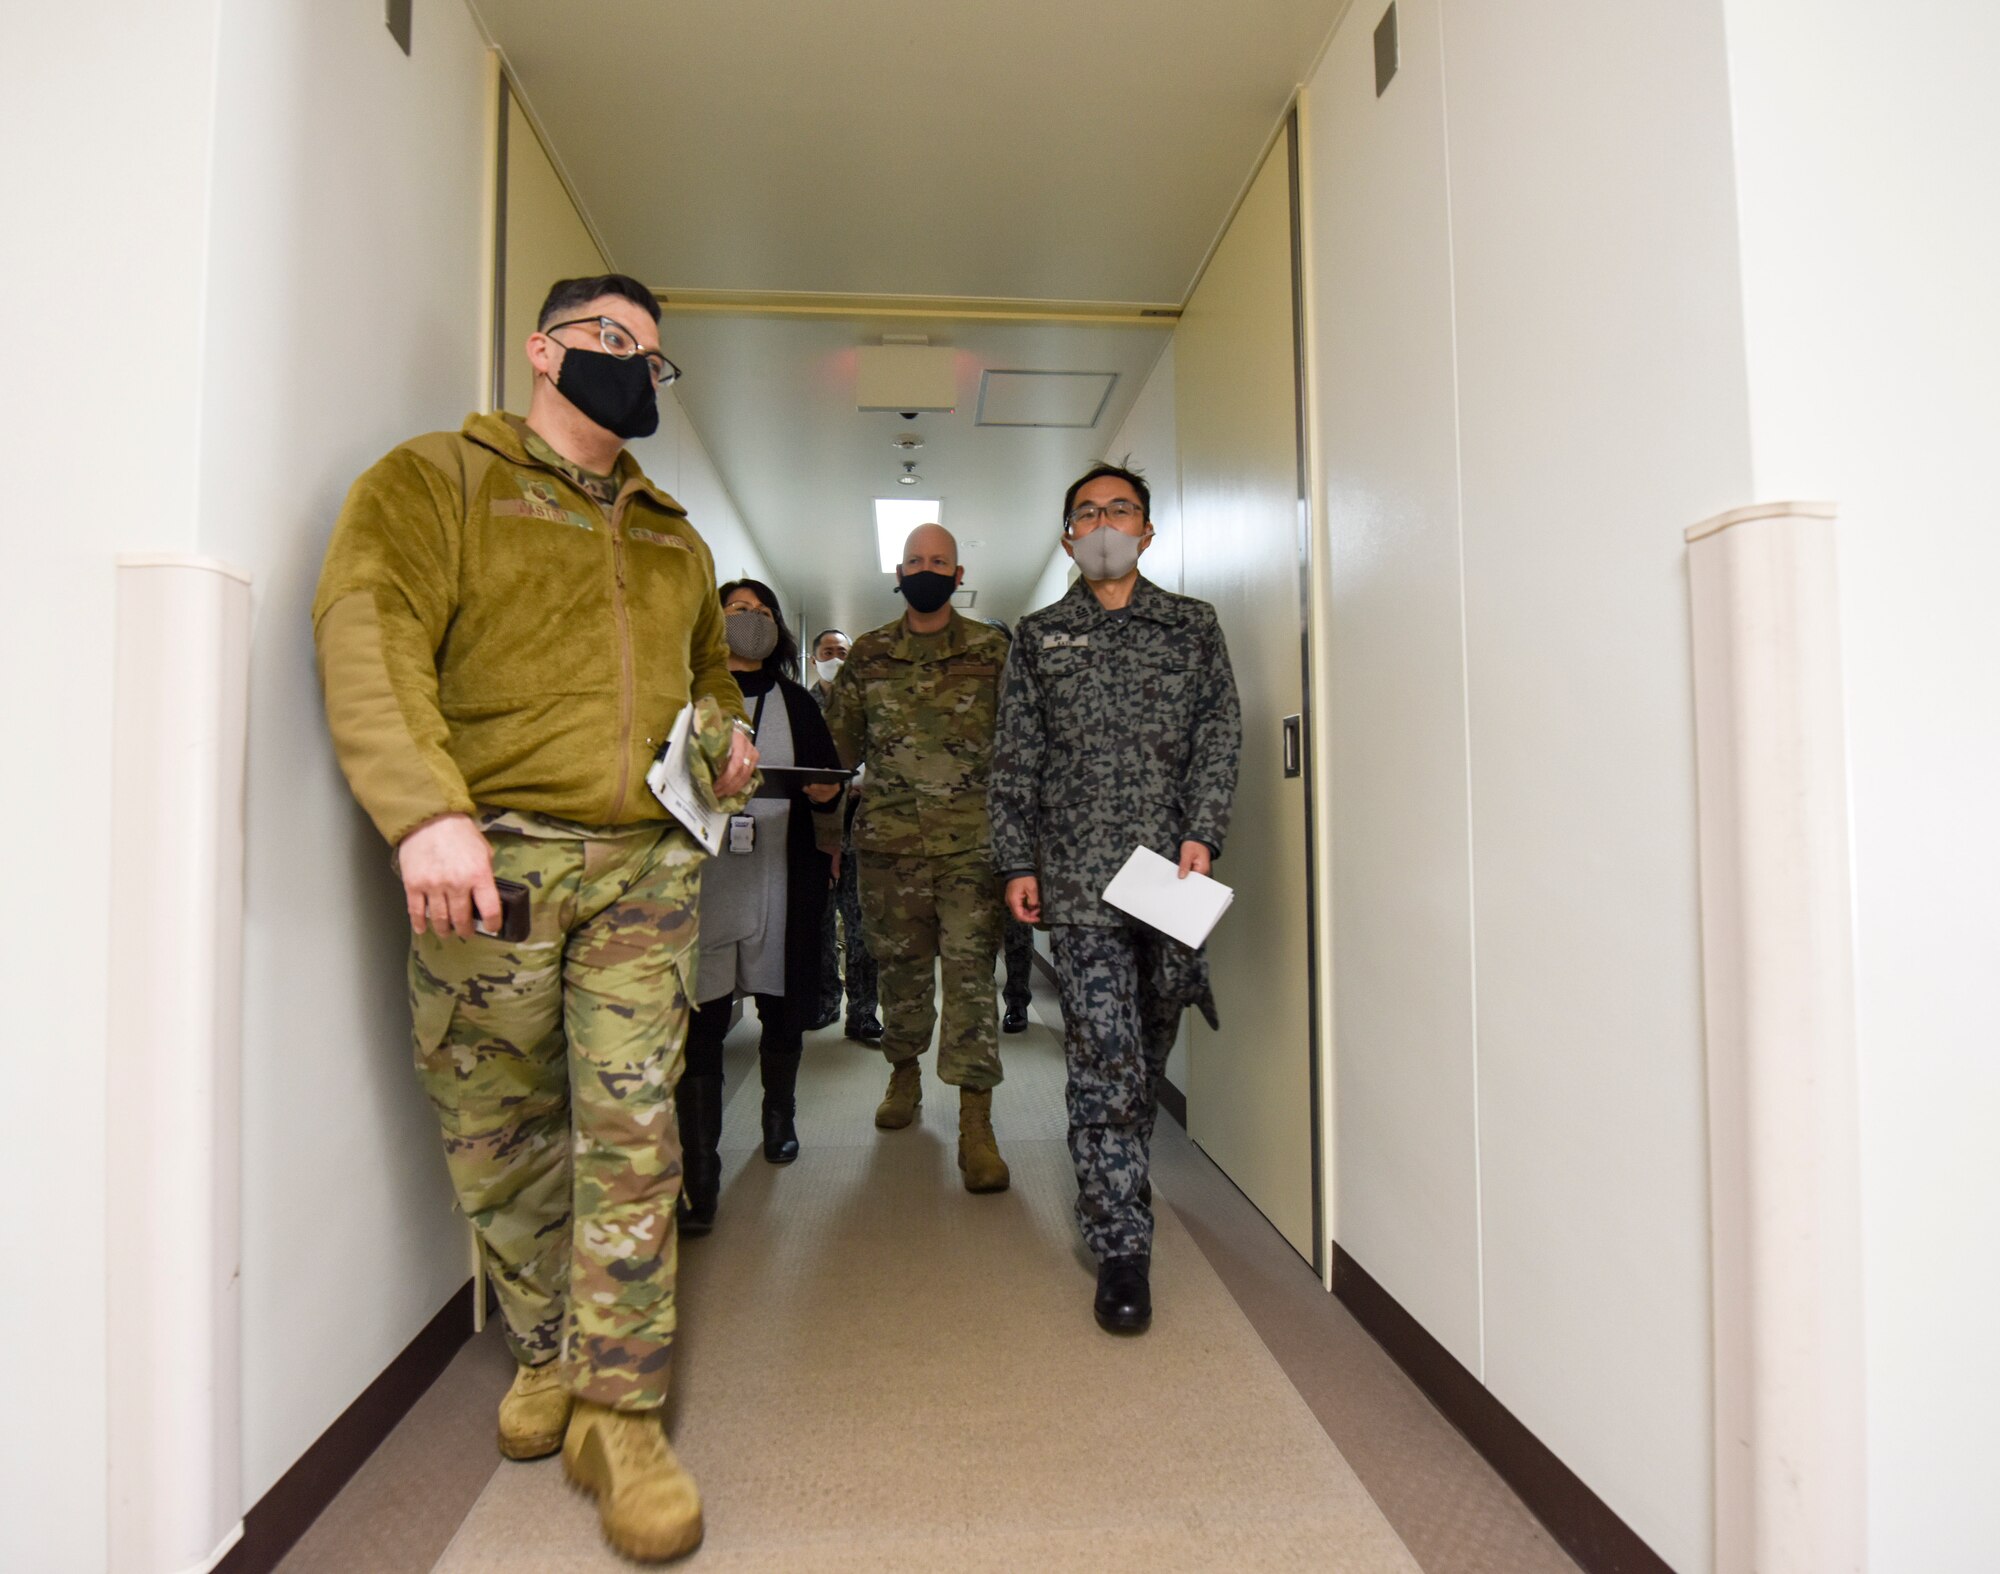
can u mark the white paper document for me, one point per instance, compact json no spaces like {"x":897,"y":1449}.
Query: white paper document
{"x":674,"y":787}
{"x":1150,"y":888}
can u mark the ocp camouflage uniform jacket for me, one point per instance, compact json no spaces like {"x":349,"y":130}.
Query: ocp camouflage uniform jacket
{"x":1114,"y":732}
{"x":918,"y":710}
{"x":496,"y":628}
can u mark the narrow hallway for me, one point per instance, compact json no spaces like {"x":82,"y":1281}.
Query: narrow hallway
{"x":878,"y":1371}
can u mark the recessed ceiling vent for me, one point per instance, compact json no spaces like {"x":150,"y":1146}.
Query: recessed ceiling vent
{"x":1070,"y":399}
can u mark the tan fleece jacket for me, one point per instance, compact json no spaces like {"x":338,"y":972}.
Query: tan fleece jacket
{"x":489,"y":634}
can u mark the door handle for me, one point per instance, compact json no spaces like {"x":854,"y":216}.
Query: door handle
{"x":1293,"y":751}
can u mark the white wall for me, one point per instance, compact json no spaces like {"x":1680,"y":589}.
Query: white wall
{"x":677,"y":459}
{"x":1530,"y":379}
{"x":107,"y":135}
{"x":346,"y":257}
{"x":1870,"y":225}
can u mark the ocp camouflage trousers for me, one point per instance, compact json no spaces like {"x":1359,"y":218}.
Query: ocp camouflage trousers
{"x":551,"y":1065}
{"x":921,"y":910}
{"x":1119,"y":1022}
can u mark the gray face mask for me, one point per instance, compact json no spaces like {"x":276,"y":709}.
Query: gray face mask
{"x":750,"y":635}
{"x":1106,"y":553}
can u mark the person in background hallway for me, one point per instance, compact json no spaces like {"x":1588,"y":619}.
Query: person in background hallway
{"x":581,"y":614}
{"x":1017,"y":949}
{"x":1119,"y":727}
{"x":863,"y":1026}
{"x":829,"y":654}
{"x":761,"y":901}
{"x":915,"y":703}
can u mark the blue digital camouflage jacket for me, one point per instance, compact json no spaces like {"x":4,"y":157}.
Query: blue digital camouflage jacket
{"x":1113,"y":731}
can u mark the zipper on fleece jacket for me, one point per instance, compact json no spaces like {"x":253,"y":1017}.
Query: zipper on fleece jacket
{"x":627,"y":684}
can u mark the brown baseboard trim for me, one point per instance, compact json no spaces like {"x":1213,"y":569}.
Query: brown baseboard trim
{"x":1582,"y":1523}
{"x":1174,"y":1102}
{"x":286,"y":1512}
{"x":1044,"y":966}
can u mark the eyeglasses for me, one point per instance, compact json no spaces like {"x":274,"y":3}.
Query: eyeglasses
{"x":1087,"y":516}
{"x":749,"y":606}
{"x":619,"y":344}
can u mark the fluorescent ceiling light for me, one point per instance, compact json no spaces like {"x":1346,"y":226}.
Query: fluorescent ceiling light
{"x":895,"y":518}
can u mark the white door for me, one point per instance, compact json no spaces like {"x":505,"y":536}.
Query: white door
{"x":1251,"y":1096}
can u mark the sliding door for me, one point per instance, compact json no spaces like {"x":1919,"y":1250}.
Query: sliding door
{"x":1251,"y":1092}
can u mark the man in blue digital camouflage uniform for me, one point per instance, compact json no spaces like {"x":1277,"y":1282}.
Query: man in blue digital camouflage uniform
{"x":1119,"y":727}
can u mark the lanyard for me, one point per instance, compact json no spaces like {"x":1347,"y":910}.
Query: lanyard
{"x":757,"y":716}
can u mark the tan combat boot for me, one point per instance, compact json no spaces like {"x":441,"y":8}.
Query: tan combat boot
{"x":534,"y":1413}
{"x":648,"y":1504}
{"x":906,"y":1091}
{"x":978,"y":1154}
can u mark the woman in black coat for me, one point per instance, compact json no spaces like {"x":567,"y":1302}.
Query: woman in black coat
{"x":762,"y":900}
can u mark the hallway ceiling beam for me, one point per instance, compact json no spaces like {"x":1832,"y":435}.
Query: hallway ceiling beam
{"x":933,"y":308}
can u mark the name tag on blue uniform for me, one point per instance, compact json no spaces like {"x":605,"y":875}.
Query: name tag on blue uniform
{"x":1065,"y":642}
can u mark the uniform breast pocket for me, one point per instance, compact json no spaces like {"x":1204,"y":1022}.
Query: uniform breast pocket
{"x":1163,"y":687}
{"x":970,"y":690}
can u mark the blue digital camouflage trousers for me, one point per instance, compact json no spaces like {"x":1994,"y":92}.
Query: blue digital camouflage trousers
{"x":843,"y":905}
{"x":1120,"y":1014}
{"x":1020,"y":949}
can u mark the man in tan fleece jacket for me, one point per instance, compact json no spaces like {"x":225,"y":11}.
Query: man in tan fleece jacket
{"x":509,"y":620}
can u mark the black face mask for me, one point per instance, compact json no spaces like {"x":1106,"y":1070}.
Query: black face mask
{"x":617,"y":395}
{"x":927,"y":591}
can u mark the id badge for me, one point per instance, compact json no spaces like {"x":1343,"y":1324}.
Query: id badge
{"x":742,"y":833}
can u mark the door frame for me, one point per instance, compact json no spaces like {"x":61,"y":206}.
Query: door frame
{"x":1318,"y":1074}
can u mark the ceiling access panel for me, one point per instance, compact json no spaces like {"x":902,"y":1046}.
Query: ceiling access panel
{"x":1045,"y":399}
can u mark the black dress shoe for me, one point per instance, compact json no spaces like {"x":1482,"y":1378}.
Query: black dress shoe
{"x":1015,"y":1021}
{"x":1124,"y":1299}
{"x":865,"y":1029}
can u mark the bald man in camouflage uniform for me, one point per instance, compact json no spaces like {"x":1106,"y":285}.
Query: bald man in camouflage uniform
{"x":916,"y":704}
{"x":1119,"y":728}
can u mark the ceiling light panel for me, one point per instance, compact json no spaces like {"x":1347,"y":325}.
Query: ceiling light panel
{"x":1063,"y":399}
{"x":895,"y":518}
{"x":905,"y":378}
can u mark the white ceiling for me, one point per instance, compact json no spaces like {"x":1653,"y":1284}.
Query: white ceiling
{"x":1036,"y":150}
{"x":1042,"y":150}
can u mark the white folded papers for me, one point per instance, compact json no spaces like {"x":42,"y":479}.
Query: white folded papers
{"x":673,"y":785}
{"x":1150,"y":888}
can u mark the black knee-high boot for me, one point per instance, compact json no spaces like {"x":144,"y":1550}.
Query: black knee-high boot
{"x":698,"y":1112}
{"x":698,"y":1107}
{"x":781,"y":1080}
{"x":778,"y":1048}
